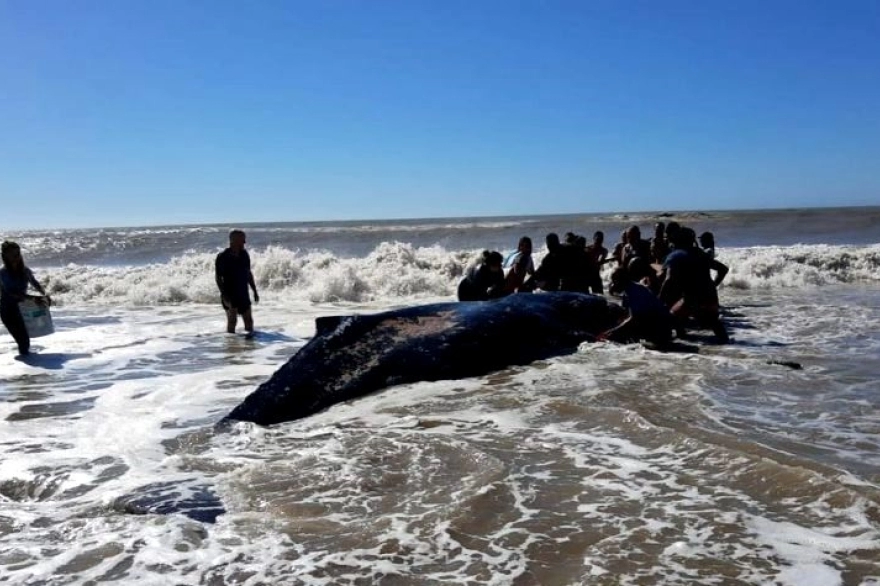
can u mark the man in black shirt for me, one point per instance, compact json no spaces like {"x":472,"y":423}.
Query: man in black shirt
{"x":232,"y":271}
{"x":549,"y":273}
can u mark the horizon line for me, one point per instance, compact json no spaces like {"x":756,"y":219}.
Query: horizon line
{"x":256,"y":223}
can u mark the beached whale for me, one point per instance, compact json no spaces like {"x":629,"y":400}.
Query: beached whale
{"x":351,"y":356}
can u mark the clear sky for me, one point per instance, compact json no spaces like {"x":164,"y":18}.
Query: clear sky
{"x":123,"y":112}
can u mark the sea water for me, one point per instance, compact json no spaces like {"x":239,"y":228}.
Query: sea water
{"x":614,"y":465}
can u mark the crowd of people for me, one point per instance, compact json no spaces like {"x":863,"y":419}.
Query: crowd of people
{"x":665,"y":283}
{"x":668,"y":284}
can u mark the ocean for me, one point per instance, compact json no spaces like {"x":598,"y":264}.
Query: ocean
{"x":615,"y":465}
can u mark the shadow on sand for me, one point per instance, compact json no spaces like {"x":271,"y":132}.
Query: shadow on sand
{"x":273,"y":337}
{"x":49,"y":361}
{"x":259,"y":336}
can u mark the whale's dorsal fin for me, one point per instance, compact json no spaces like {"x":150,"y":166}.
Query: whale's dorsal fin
{"x":328,"y":323}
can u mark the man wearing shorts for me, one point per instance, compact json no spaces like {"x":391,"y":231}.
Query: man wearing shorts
{"x":232,"y":270}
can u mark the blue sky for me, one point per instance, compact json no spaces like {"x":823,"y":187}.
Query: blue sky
{"x":164,"y":112}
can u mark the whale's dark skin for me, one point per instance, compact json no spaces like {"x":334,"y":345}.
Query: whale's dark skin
{"x":351,"y":356}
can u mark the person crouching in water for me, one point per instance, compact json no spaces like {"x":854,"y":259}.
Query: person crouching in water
{"x":518,"y":265}
{"x":14,"y":280}
{"x":647,"y":317}
{"x":484,"y":280}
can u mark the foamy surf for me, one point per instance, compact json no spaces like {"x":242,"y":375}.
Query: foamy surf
{"x":613,"y":465}
{"x":399,"y":272}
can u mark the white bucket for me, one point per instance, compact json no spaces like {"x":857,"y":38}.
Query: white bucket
{"x":37,"y":318}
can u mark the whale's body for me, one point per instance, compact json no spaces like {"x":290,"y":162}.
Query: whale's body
{"x":351,"y":356}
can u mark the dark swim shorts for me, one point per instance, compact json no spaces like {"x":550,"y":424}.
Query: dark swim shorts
{"x":241,"y":305}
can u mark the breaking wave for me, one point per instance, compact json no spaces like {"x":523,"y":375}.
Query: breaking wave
{"x":400,"y":271}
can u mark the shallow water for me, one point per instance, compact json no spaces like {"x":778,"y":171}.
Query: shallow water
{"x":614,"y":465}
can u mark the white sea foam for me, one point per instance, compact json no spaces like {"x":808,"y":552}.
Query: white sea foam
{"x":801,"y":265}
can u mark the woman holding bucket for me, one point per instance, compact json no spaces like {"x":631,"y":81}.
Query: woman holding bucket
{"x":14,"y":280}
